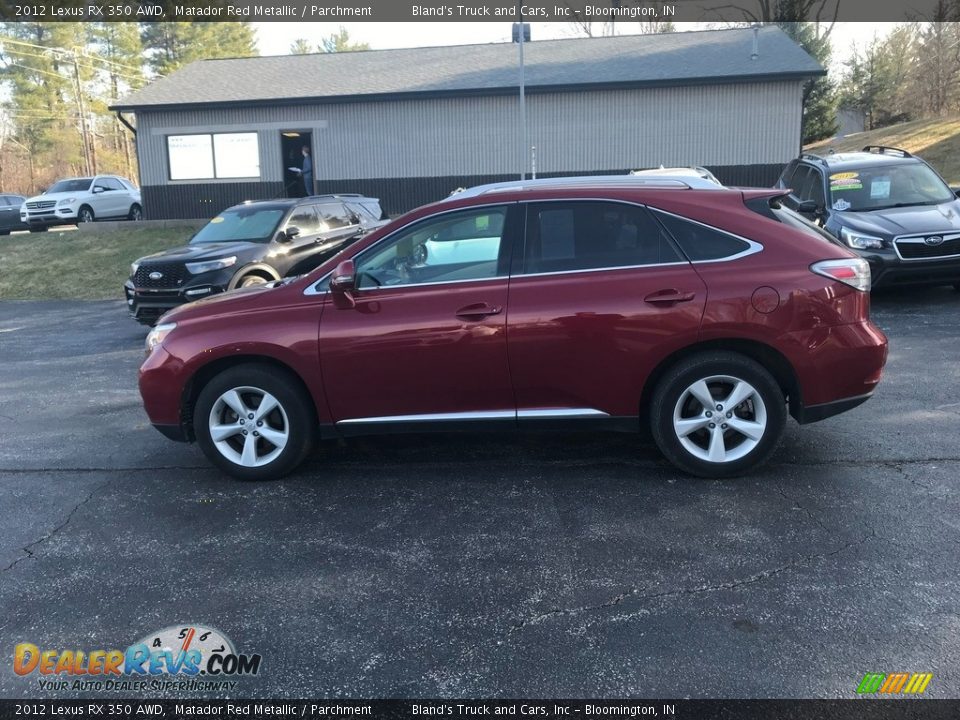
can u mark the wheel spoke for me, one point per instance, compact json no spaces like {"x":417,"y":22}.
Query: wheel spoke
{"x":717,"y":451}
{"x":688,"y":425}
{"x":702,"y":393}
{"x":235,"y":403}
{"x":249,"y":457}
{"x":219,"y":433}
{"x":740,"y":392}
{"x":277,"y":438}
{"x":267,"y":406}
{"x":749,"y":428}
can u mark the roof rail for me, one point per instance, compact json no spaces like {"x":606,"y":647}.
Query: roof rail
{"x":885,"y":150}
{"x":622,"y":181}
{"x":813,"y":157}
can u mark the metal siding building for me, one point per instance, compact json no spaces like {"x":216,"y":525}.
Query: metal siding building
{"x":409,"y":145}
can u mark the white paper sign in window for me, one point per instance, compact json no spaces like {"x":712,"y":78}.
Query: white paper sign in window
{"x":191,"y":157}
{"x":237,"y":155}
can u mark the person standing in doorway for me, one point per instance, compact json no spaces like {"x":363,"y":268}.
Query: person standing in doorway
{"x":307,"y":173}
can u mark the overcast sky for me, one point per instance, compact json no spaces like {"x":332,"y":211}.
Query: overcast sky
{"x":275,"y":38}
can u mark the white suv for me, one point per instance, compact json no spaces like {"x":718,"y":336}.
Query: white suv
{"x":80,"y":200}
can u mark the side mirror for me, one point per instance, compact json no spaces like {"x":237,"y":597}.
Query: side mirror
{"x":809,"y":207}
{"x":956,"y":191}
{"x":289,"y":234}
{"x":97,"y":189}
{"x":344,"y":279}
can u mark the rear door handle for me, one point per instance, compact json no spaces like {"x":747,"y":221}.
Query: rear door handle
{"x":669,"y":297}
{"x":478,"y":311}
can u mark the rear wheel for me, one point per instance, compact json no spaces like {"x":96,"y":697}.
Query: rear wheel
{"x":718,"y":415}
{"x":255,"y":422}
{"x":85,"y":215}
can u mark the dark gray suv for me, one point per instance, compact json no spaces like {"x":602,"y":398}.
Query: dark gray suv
{"x":888,"y":206}
{"x":249,"y":244}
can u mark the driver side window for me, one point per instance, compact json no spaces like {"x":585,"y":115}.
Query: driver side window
{"x":449,"y":248}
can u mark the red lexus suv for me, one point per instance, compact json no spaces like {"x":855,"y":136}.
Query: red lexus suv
{"x":702,"y":313}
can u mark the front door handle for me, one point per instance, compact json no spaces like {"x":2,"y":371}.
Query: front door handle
{"x":671,"y":296}
{"x":478,"y":311}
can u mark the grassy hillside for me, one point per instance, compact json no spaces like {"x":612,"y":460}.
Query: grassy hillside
{"x":936,"y":141}
{"x":77,"y":265}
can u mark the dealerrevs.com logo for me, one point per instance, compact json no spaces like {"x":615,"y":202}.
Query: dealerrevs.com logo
{"x":184,"y":657}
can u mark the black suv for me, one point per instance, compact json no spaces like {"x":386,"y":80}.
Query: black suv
{"x":249,"y":244}
{"x":887,"y":205}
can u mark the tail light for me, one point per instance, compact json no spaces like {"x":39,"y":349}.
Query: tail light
{"x":854,"y":272}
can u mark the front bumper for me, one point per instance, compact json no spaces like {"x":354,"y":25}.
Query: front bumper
{"x":49,"y":217}
{"x":888,"y":270}
{"x":146,"y":305}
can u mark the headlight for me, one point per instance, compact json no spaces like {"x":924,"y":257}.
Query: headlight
{"x":134,"y":267}
{"x":157,"y":335}
{"x":208,"y":265}
{"x":67,"y":201}
{"x":859,"y":241}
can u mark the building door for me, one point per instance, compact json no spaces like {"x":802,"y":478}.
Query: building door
{"x":292,"y":143}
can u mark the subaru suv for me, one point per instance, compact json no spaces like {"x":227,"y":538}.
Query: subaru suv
{"x":888,"y":206}
{"x":253,"y":243}
{"x":703,"y":313}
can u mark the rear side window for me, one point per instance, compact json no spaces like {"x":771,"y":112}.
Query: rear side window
{"x":699,"y":242}
{"x":587,"y":235}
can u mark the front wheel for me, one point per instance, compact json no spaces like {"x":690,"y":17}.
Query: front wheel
{"x":255,"y":422}
{"x":136,"y":213}
{"x":718,"y":415}
{"x":84,"y":215}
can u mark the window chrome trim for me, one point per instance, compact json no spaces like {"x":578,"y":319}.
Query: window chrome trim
{"x":479,"y":415}
{"x":311,"y":290}
{"x":753,"y":246}
{"x":918,"y":239}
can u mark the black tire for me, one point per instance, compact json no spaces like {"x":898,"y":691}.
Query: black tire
{"x":298,"y":419}
{"x":85,"y":214}
{"x":136,"y":213}
{"x":4,"y":232}
{"x":673,"y":388}
{"x":38,"y":229}
{"x":252,"y":280}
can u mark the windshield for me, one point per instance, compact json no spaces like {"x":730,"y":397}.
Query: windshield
{"x":74,"y":185}
{"x":244,"y":224}
{"x":876,"y":188}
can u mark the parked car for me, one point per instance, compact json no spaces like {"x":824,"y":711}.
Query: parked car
{"x":702,"y":312}
{"x":679,"y":172}
{"x":888,"y":206}
{"x":82,"y":200}
{"x":248,"y":244}
{"x":10,"y":213}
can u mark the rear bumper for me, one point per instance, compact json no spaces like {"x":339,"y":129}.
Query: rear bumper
{"x":814,"y":413}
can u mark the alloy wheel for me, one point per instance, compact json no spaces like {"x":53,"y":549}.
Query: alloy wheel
{"x":248,"y":426}
{"x":720,"y":418}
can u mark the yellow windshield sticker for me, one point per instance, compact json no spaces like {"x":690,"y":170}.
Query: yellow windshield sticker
{"x":844,"y":176}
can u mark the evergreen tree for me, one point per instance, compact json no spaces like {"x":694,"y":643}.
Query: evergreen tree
{"x":819,"y":94}
{"x":169,"y":45}
{"x":340,"y":42}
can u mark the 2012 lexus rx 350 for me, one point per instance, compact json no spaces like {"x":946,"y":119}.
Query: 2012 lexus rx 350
{"x":704,"y":313}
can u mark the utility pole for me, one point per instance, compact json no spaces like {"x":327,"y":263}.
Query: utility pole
{"x":519,"y":30}
{"x":83,"y":115}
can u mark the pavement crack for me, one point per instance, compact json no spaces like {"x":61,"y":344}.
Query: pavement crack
{"x":640,"y":595}
{"x":29,"y":549}
{"x":800,"y":506}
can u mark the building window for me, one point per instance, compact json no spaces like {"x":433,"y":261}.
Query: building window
{"x":214,"y":156}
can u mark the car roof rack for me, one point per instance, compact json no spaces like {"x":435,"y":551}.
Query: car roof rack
{"x":813,"y":157}
{"x":685,"y":182}
{"x":886,"y":150}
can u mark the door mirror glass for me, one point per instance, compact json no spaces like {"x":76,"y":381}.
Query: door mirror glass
{"x":808,"y":207}
{"x":344,"y":278}
{"x":98,"y":189}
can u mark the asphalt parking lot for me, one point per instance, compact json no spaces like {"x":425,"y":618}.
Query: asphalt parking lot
{"x":492,"y":565}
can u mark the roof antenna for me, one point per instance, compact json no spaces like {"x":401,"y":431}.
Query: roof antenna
{"x":756,"y":44}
